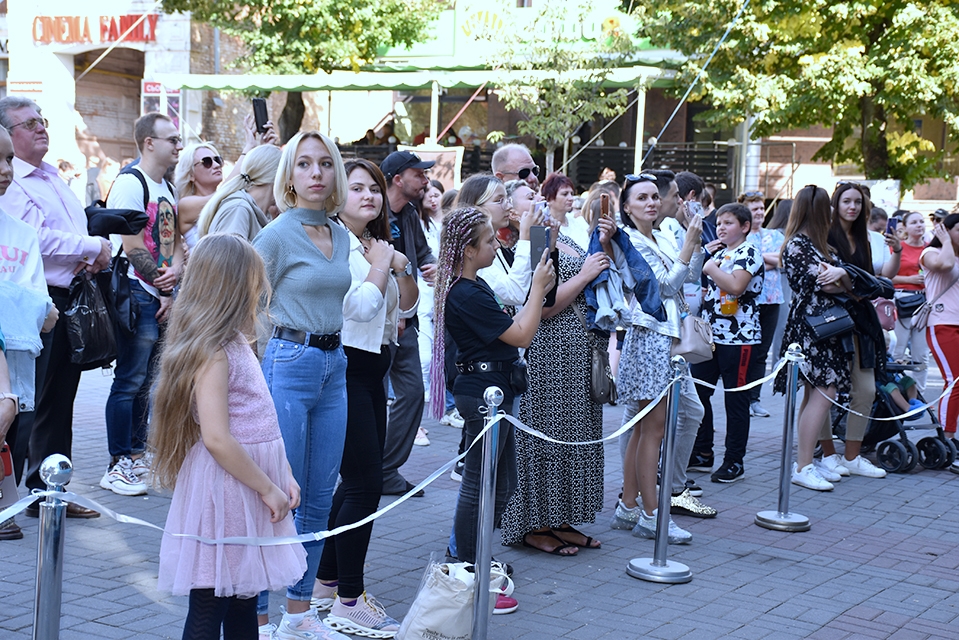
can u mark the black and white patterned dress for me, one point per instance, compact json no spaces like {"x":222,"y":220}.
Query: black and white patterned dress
{"x":558,"y":483}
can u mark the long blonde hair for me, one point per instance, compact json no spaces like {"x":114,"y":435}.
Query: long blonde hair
{"x":222,"y":289}
{"x":259,"y":168}
{"x":283,"y":184}
{"x":183,"y":174}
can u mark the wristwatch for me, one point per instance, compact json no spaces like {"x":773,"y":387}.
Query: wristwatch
{"x":407,"y":271}
{"x":16,"y":401}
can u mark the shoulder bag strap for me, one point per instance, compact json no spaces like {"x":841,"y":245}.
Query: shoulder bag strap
{"x":941,"y":293}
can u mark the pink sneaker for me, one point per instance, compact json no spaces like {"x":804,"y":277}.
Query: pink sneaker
{"x":505,"y":604}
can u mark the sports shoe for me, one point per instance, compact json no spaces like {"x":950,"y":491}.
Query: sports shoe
{"x":267,"y":631}
{"x":694,"y":489}
{"x":308,"y":628}
{"x":365,"y":617}
{"x":862,"y":467}
{"x":323,"y":596}
{"x":646,"y":528}
{"x":756,"y":410}
{"x":685,"y":504}
{"x":728,"y":472}
{"x":119,"y":479}
{"x":456,"y":473}
{"x":700,"y":462}
{"x":810,"y":478}
{"x":421,"y":440}
{"x":835,"y":463}
{"x":827,"y":474}
{"x":504,"y":604}
{"x":954,"y":467}
{"x":452,"y":419}
{"x":141,"y":466}
{"x":624,"y":517}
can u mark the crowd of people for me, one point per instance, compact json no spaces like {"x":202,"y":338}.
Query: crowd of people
{"x":294,"y":318}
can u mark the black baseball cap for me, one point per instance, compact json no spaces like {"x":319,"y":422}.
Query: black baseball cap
{"x":399,"y":161}
{"x":940,"y":214}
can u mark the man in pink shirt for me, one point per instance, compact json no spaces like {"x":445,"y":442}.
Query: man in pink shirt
{"x":39,"y":197}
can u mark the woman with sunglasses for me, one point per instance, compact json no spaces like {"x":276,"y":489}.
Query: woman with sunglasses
{"x":197,"y":175}
{"x":910,"y":281}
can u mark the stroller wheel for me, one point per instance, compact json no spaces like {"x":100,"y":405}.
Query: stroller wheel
{"x":912,"y":459}
{"x":932,"y":453}
{"x":891,"y":455}
{"x":953,"y":451}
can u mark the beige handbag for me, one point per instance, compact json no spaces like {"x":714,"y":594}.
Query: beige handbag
{"x":695,"y":342}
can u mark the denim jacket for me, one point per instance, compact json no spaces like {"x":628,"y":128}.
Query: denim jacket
{"x":604,"y":297}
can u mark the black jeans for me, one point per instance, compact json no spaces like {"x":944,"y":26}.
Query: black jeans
{"x":361,"y":470}
{"x":768,"y":319}
{"x":731,"y":362}
{"x":407,"y":411}
{"x":466,"y":519}
{"x":208,"y":614}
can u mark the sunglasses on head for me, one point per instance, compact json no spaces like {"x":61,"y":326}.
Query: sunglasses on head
{"x":643,"y":177}
{"x":522,"y":174}
{"x":208,"y":161}
{"x":752,"y":194}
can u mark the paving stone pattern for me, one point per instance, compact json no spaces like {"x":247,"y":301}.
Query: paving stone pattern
{"x":880,"y":561}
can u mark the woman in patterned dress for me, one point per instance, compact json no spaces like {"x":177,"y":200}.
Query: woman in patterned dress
{"x":560,"y":485}
{"x":807,"y":260}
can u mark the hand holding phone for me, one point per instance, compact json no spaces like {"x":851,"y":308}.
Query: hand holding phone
{"x":539,"y":243}
{"x":260,"y":114}
{"x":694,"y":208}
{"x":604,"y":205}
{"x":891,"y":225}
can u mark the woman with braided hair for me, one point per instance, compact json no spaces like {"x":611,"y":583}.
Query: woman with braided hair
{"x":245,"y":203}
{"x":488,"y":343}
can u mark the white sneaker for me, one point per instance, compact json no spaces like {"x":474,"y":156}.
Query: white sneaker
{"x":862,"y":467}
{"x":624,"y":517}
{"x":120,"y":479}
{"x":421,"y":440}
{"x":308,"y":628}
{"x":453,"y":419}
{"x":828,"y":474}
{"x":365,"y":618}
{"x":323,"y":597}
{"x":835,"y":463}
{"x":142,"y":465}
{"x":267,"y":631}
{"x":646,"y":528}
{"x":809,"y":477}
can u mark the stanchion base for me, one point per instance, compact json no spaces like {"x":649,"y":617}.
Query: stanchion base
{"x":670,"y":573}
{"x":782,"y":521}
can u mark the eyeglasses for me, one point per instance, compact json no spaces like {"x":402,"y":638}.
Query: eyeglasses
{"x":643,"y":177}
{"x":174,"y":140}
{"x":208,"y":161}
{"x":523,"y":173}
{"x":506,"y":203}
{"x":31,"y":124}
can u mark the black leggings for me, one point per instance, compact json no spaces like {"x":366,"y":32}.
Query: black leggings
{"x":361,"y":471}
{"x":208,"y":613}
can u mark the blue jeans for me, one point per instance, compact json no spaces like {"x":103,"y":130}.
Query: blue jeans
{"x":309,"y":390}
{"x":128,"y":406}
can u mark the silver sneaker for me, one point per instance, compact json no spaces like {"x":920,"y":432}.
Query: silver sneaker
{"x":624,"y":517}
{"x":646,"y":528}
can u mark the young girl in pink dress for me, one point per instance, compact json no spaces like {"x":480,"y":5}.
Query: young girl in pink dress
{"x":217,"y":443}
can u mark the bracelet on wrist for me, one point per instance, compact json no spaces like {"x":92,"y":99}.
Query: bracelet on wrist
{"x":380,"y":270}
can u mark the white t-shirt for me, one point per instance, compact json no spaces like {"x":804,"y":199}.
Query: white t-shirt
{"x":880,"y":252}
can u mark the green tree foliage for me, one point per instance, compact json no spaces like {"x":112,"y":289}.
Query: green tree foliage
{"x":865,"y":68}
{"x":558,"y":74}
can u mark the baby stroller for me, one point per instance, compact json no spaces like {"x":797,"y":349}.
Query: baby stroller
{"x":895,"y":452}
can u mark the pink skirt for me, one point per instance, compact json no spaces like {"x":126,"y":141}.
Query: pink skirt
{"x":210,"y":502}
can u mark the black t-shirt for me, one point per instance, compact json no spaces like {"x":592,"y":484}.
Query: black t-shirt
{"x":476,"y":321}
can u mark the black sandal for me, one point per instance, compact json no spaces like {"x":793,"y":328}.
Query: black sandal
{"x":556,"y":551}
{"x":570,"y":530}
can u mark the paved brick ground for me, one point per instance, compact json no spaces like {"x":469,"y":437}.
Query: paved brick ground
{"x":880,"y":561}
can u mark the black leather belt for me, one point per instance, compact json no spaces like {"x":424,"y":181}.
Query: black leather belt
{"x":326,"y":342}
{"x":483,"y":367}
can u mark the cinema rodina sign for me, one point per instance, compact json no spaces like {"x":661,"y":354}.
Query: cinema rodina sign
{"x":78,"y":29}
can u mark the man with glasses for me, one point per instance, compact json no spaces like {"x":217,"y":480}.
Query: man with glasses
{"x":39,"y":197}
{"x":155,"y":256}
{"x":513,"y":161}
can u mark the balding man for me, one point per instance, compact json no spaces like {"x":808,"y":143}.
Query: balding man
{"x":513,"y":161}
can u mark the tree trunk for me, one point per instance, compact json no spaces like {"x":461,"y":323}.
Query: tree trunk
{"x":292,"y":116}
{"x":550,"y":160}
{"x":875,"y":153}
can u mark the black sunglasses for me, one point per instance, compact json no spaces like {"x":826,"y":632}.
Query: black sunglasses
{"x":643,"y":177}
{"x":208,"y":161}
{"x":522,"y":174}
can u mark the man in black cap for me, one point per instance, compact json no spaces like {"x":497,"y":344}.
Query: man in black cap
{"x":406,"y":181}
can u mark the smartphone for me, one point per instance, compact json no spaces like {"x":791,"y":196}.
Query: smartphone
{"x":540,"y":207}
{"x":539,"y":242}
{"x":694,"y":208}
{"x":259,"y":114}
{"x":891,"y":225}
{"x":604,"y":205}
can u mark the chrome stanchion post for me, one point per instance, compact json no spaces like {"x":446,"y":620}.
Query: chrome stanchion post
{"x":782,"y":519}
{"x":487,"y":505}
{"x":658,"y":568}
{"x":55,"y":471}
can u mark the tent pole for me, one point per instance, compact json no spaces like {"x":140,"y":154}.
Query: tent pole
{"x":434,"y":114}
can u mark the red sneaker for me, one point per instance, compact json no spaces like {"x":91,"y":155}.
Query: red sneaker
{"x":505,"y":604}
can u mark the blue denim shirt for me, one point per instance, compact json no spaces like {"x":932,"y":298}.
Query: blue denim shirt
{"x":646,"y":288}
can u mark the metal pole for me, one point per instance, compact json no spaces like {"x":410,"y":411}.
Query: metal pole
{"x":782,"y":520}
{"x":487,"y":503}
{"x":658,"y":568}
{"x":55,"y":471}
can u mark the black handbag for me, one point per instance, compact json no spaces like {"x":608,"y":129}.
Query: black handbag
{"x":909,"y":304}
{"x":602,"y":385}
{"x":125,"y":306}
{"x":519,"y":377}
{"x":89,"y":325}
{"x":833,"y":321}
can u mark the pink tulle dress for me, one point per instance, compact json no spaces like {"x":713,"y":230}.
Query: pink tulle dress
{"x":210,"y":502}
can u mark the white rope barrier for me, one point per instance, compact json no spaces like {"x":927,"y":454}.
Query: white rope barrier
{"x":902,"y":416}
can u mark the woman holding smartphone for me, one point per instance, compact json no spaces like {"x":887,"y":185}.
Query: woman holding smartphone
{"x":909,"y":281}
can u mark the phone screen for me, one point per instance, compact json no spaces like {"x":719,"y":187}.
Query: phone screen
{"x":540,"y":207}
{"x":891,"y":225}
{"x":539,"y":242}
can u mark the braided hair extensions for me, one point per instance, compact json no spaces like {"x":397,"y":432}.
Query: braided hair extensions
{"x":462,"y":227}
